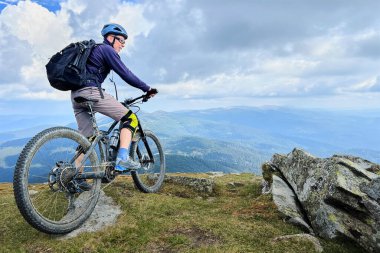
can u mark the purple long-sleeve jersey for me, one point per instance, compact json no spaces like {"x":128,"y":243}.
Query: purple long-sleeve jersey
{"x":103,"y":59}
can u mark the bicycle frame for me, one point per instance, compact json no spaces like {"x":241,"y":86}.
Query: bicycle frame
{"x":103,"y":135}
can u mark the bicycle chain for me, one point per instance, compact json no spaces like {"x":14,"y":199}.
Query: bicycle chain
{"x":100,"y":165}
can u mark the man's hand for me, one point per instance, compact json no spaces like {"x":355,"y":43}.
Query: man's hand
{"x":150,"y":93}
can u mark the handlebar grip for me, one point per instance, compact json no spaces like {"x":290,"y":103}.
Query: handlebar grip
{"x":146,"y":97}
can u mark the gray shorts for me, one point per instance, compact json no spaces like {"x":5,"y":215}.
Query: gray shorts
{"x":108,"y":106}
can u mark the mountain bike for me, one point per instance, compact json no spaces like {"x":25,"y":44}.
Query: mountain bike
{"x":51,"y":165}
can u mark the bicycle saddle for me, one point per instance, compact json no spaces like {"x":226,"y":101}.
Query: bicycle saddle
{"x":83,"y":99}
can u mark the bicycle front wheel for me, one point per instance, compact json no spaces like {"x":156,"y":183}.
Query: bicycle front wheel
{"x":45,"y":188}
{"x":148,"y":151}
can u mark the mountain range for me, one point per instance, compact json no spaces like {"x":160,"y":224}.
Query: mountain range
{"x":237,"y":139}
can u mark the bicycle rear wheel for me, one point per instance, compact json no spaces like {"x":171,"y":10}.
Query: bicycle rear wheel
{"x":148,"y":151}
{"x":45,"y":188}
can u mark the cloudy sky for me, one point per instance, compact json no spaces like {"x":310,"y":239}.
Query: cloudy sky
{"x":202,"y":54}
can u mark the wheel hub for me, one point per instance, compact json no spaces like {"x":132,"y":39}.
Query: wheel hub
{"x":60,"y":176}
{"x":146,"y":163}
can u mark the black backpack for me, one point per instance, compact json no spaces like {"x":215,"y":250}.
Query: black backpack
{"x":66,"y":70}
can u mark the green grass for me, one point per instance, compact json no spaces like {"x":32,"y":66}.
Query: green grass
{"x":178,"y":219}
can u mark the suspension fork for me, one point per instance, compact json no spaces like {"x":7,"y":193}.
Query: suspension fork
{"x":145,"y":141}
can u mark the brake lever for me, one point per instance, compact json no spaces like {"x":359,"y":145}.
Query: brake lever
{"x":145,"y":99}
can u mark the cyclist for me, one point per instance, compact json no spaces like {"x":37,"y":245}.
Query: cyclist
{"x":104,"y":58}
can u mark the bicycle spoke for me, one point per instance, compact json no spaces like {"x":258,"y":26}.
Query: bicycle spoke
{"x":52,"y":205}
{"x":47,"y":203}
{"x":36,"y":199}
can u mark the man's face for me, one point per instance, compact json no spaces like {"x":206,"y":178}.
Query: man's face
{"x":119,"y":42}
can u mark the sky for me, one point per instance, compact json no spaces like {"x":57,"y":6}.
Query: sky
{"x":202,"y":54}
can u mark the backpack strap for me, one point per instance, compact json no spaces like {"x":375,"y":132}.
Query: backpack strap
{"x":95,"y":78}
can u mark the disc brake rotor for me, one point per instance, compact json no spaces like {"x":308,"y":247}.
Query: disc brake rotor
{"x":146,"y":164}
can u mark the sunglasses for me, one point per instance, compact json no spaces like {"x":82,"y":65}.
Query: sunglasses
{"x":121,"y":40}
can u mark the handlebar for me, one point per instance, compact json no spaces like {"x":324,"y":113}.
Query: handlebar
{"x":144,"y":98}
{"x":130,"y":101}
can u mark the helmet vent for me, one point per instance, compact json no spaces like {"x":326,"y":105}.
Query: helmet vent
{"x":117,"y":28}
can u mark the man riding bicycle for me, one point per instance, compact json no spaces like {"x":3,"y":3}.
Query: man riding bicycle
{"x":104,"y":58}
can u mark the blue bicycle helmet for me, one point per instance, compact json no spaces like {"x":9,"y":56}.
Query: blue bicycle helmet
{"x":114,"y":29}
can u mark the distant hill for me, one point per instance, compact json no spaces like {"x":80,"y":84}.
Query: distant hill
{"x":228,"y":139}
{"x":201,"y":155}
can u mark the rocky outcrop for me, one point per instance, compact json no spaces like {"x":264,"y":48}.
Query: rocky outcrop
{"x":337,"y":196}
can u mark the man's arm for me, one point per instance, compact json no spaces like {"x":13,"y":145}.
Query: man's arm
{"x":113,"y":60}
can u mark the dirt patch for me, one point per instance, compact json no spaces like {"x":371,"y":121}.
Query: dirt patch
{"x":180,"y":191}
{"x":184,"y":238}
{"x":197,"y":237}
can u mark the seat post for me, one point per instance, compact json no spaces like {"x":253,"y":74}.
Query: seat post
{"x":93,"y":118}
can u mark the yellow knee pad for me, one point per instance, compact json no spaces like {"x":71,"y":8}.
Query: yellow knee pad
{"x":130,"y":122}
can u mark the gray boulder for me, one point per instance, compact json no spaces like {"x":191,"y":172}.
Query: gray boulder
{"x":287,"y":203}
{"x":337,"y":196}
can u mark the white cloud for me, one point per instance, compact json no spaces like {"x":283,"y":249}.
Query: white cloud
{"x":199,"y":50}
{"x":35,"y":74}
{"x":161,"y":73}
{"x":6,"y":152}
{"x":287,"y":66}
{"x":43,"y":30}
{"x":47,"y":95}
{"x":371,"y":84}
{"x":131,"y":16}
{"x":12,"y":88}
{"x":31,"y":34}
{"x":77,"y":7}
{"x":7,"y":2}
{"x":234,"y":85}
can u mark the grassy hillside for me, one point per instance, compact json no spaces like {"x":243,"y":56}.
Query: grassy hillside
{"x":178,"y":219}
